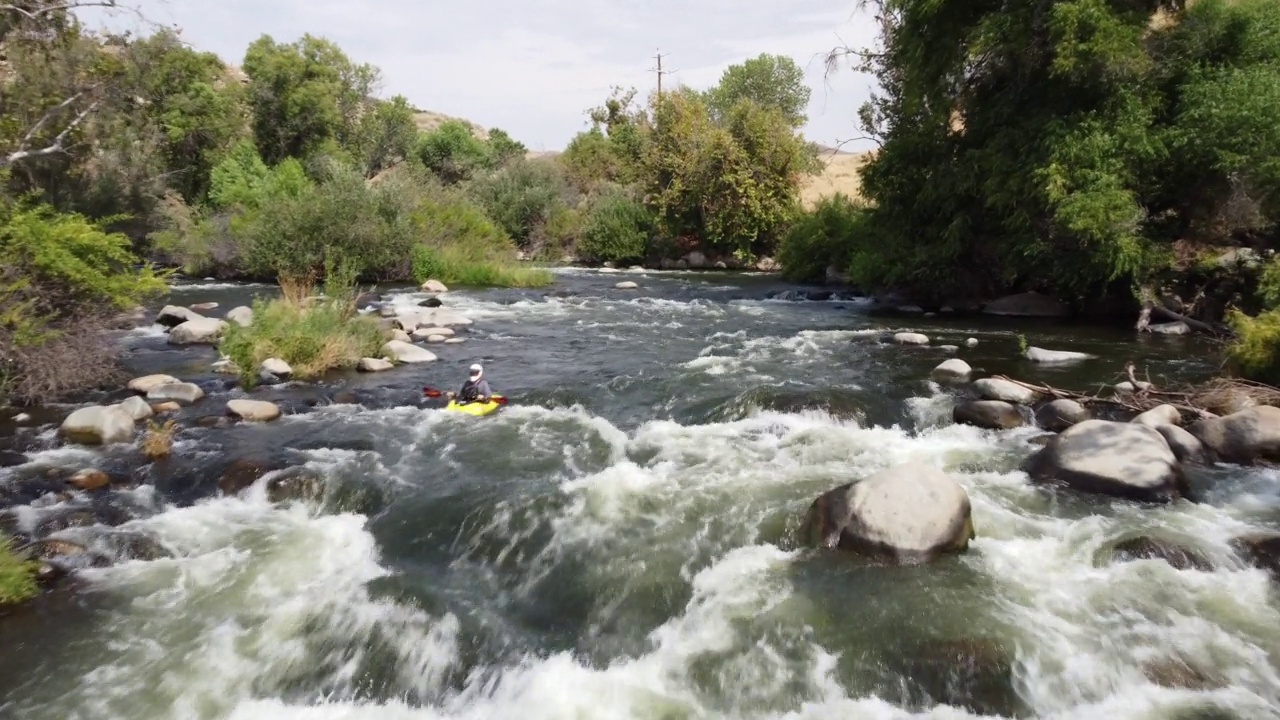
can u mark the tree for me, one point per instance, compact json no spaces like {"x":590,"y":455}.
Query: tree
{"x":387,"y":134}
{"x":505,"y":149}
{"x":452,"y":152}
{"x":770,"y":81}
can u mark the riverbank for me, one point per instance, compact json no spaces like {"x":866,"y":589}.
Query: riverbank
{"x":630,"y":522}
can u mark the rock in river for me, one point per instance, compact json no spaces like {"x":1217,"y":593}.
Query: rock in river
{"x":910,"y":338}
{"x":173,"y":316}
{"x":626,"y":285}
{"x":1041,"y":355}
{"x":1185,"y":446}
{"x":148,"y":383}
{"x":988,"y":414}
{"x":136,"y":407}
{"x":185,"y":393}
{"x":910,"y":513}
{"x":997,"y":389}
{"x":276,"y":367}
{"x":403,"y":352}
{"x":1030,"y":304}
{"x":1149,"y":548}
{"x":1110,"y":458}
{"x":1160,"y":415}
{"x":98,"y":425}
{"x":1061,"y":414}
{"x":374,"y":365}
{"x":434,"y":286}
{"x":253,"y":410}
{"x":90,"y":479}
{"x":953,"y":369}
{"x":1244,"y":437}
{"x":242,"y":316}
{"x":201,"y":331}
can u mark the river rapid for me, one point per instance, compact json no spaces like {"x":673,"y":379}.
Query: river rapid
{"x":619,"y":541}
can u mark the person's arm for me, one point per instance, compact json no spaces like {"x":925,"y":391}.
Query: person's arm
{"x":485,"y":393}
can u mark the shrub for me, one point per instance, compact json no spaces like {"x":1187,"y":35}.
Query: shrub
{"x":1255,"y":350}
{"x":522,"y":197}
{"x":821,"y":238}
{"x":452,"y":152}
{"x":158,"y":441}
{"x":17,"y":576}
{"x":617,"y":228}
{"x":458,"y":244}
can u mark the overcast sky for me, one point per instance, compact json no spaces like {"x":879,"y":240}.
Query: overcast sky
{"x":533,"y":67}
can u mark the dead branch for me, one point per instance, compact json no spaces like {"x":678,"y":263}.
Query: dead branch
{"x":33,"y":14}
{"x":1138,"y":402}
{"x":59,"y":141}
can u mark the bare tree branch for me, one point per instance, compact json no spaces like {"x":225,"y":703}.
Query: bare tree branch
{"x":56,"y":7}
{"x":58,"y":145}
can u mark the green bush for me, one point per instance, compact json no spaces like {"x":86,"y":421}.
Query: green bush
{"x":617,"y":228}
{"x":459,"y":245}
{"x":522,"y":197}
{"x":823,"y":237}
{"x":452,"y":152}
{"x":17,"y":576}
{"x":1255,"y":353}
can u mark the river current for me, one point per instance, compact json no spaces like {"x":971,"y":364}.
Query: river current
{"x":619,"y":541}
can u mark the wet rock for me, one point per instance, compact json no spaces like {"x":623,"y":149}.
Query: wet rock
{"x":948,"y":348}
{"x":1160,"y":415}
{"x":135,"y":546}
{"x":434,"y":286}
{"x":96,"y":425}
{"x":976,"y":675}
{"x":253,"y":410}
{"x":998,"y":389}
{"x":1245,"y":437}
{"x":1110,"y":458}
{"x":1149,"y":548}
{"x":9,"y":458}
{"x":168,"y":406}
{"x":49,"y":574}
{"x":608,"y":270}
{"x":366,"y":299}
{"x":1061,"y":414}
{"x":374,"y":365}
{"x":213,"y":421}
{"x":90,"y":480}
{"x":185,"y":393}
{"x":1185,"y":446}
{"x":276,"y":367}
{"x":1041,"y":355}
{"x":431,"y":302}
{"x":1261,"y":550}
{"x":202,"y":331}
{"x":436,"y":339}
{"x":403,"y":352}
{"x":971,"y":343}
{"x":953,"y":369}
{"x":1128,"y":387}
{"x":1030,"y":304}
{"x":627,"y":285}
{"x":136,"y":408}
{"x":910,"y":338}
{"x":1177,"y":674}
{"x":173,"y":316}
{"x":60,"y":521}
{"x":345,"y":397}
{"x":910,"y":514}
{"x":299,"y":484}
{"x":267,"y":378}
{"x":242,"y":474}
{"x":1170,"y":328}
{"x":988,"y":414}
{"x":148,"y":383}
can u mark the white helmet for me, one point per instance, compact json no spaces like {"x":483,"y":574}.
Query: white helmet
{"x":476,"y":371}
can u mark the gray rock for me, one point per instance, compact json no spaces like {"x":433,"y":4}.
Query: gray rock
{"x":204,"y":307}
{"x":627,"y":285}
{"x":696,"y":260}
{"x":437,"y":330}
{"x":253,"y":410}
{"x":202,"y":331}
{"x":387,"y":311}
{"x":1170,"y":328}
{"x":953,"y":369}
{"x":1160,"y":415}
{"x":403,"y":352}
{"x":998,"y":389}
{"x":1110,"y":458}
{"x":910,"y":514}
{"x":147,"y":383}
{"x":1030,"y":304}
{"x":910,"y":338}
{"x":276,"y":367}
{"x":136,"y":408}
{"x":173,"y":316}
{"x":374,"y":365}
{"x":988,"y":414}
{"x":1150,"y":548}
{"x":1185,"y":446}
{"x":242,"y":316}
{"x":1041,"y":355}
{"x":97,"y":425}
{"x":1244,"y":437}
{"x":1061,"y":414}
{"x":185,"y":393}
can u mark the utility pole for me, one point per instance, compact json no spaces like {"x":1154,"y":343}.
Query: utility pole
{"x":660,"y":72}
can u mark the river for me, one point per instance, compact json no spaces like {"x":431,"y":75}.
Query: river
{"x":618,"y":542}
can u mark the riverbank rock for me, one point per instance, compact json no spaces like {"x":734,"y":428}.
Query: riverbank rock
{"x":988,"y":414}
{"x":1160,"y":415}
{"x":910,"y":338}
{"x":1029,"y":304}
{"x":998,"y":389}
{"x":434,"y":286}
{"x":697,"y":260}
{"x":1244,"y":437}
{"x":402,"y":352}
{"x":253,"y":410}
{"x":1061,"y":414}
{"x":910,"y":514}
{"x":1149,"y":548}
{"x":437,"y":330}
{"x":953,"y":369}
{"x":627,"y":285}
{"x":173,"y":316}
{"x":1185,"y":446}
{"x":148,"y":383}
{"x":97,"y":425}
{"x":276,"y":367}
{"x":1041,"y":355}
{"x":180,"y":392}
{"x":89,"y":480}
{"x":136,"y":408}
{"x":1110,"y":458}
{"x":202,"y":331}
{"x":374,"y":365}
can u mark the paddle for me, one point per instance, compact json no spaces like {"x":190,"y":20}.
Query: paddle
{"x":434,"y":393}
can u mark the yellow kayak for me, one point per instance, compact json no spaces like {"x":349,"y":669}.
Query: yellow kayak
{"x":474,"y":408}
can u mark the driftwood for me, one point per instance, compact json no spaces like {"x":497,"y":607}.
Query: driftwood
{"x":1152,"y":305}
{"x":1197,"y":401}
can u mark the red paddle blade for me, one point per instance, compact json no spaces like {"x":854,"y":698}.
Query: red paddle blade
{"x":431,"y":392}
{"x":500,"y":400}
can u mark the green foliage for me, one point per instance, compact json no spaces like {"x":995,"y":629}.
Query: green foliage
{"x":453,"y":153}
{"x":522,"y":196}
{"x":459,"y":245}
{"x":17,"y":576}
{"x":1256,"y":349}
{"x":386,"y":135}
{"x":504,"y":149}
{"x":238,"y":179}
{"x":823,"y":237}
{"x":617,"y":228}
{"x":773,"y":82}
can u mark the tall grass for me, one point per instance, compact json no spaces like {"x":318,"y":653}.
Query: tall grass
{"x":17,"y":576}
{"x":461,"y":265}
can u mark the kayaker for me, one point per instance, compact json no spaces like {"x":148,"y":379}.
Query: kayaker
{"x":476,"y":388}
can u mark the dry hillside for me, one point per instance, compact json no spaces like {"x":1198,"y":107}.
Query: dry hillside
{"x":839,"y":176}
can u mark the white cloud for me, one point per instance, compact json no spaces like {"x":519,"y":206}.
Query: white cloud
{"x":533,"y":67}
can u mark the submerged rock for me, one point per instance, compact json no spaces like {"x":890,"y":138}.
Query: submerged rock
{"x":242,"y":474}
{"x":1041,"y":355}
{"x":973,"y":674}
{"x":95,"y":425}
{"x":1177,"y":674}
{"x":253,"y":410}
{"x":202,"y":331}
{"x":1150,"y":548}
{"x":403,"y":352}
{"x":1110,"y":458}
{"x":431,"y":302}
{"x":90,"y":480}
{"x":910,"y":338}
{"x":296,"y":484}
{"x":1029,"y":304}
{"x":374,"y":365}
{"x":998,"y":389}
{"x":1245,"y":437}
{"x":910,"y":514}
{"x":1160,"y":415}
{"x":1061,"y":414}
{"x":1261,"y":550}
{"x":988,"y":414}
{"x":9,"y":458}
{"x":185,"y":393}
{"x":148,"y":383}
{"x":953,"y":369}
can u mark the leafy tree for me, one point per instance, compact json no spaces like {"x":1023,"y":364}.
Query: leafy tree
{"x":504,"y":149}
{"x":452,"y":152}
{"x":770,"y":81}
{"x":617,"y":228}
{"x":387,"y":134}
{"x":822,"y":238}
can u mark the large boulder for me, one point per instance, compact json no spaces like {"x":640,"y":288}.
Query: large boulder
{"x":910,"y":514}
{"x":173,"y":315}
{"x":276,"y":366}
{"x":696,"y":260}
{"x":1244,"y":437}
{"x":1185,"y":446}
{"x":1030,"y":304}
{"x":403,"y":352}
{"x":148,"y":383}
{"x":242,"y":316}
{"x":988,"y":414}
{"x":1159,"y":415}
{"x":185,"y":393}
{"x":910,"y":338}
{"x":253,"y":410}
{"x":200,"y":331}
{"x":1061,"y":414}
{"x":1041,"y":355}
{"x":953,"y":369}
{"x":1110,"y":458}
{"x":998,"y":389}
{"x":136,"y":408}
{"x":97,"y":425}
